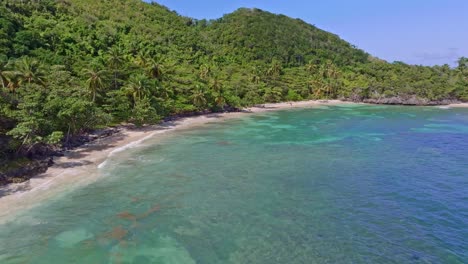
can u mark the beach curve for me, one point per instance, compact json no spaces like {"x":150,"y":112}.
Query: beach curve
{"x":81,"y":166}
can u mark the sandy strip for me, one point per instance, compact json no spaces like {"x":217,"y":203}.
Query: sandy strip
{"x":459,"y":105}
{"x":80,"y":166}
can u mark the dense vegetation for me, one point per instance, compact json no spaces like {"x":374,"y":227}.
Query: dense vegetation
{"x":70,"y":66}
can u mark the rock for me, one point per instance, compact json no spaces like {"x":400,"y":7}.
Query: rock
{"x":40,"y":156}
{"x":408,"y":100}
{"x":26,"y":172}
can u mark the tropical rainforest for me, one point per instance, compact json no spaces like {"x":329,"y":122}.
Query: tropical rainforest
{"x":70,"y":66}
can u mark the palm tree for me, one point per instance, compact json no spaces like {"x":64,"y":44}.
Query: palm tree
{"x":115,"y":60}
{"x":275,"y":69}
{"x":95,"y":81}
{"x":255,"y":77}
{"x":217,"y":87}
{"x":220,"y":100}
{"x":163,"y":92}
{"x":30,"y":71}
{"x":326,"y":81}
{"x":311,"y":68}
{"x":204,"y":72}
{"x":320,"y":86}
{"x":272,"y":94}
{"x":154,"y":69}
{"x":9,"y":78}
{"x":462,"y":64}
{"x":198,"y":97}
{"x":3,"y":73}
{"x":330,"y":70}
{"x":321,"y":89}
{"x":13,"y":80}
{"x":140,"y":59}
{"x":462,"y":68}
{"x":115,"y":57}
{"x":137,"y":86}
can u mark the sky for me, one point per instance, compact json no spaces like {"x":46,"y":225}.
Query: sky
{"x":426,"y":32}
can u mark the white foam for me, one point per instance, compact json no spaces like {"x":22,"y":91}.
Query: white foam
{"x":444,"y":107}
{"x":130,"y":145}
{"x":102,"y":164}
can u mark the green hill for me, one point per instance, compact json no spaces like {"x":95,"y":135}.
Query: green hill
{"x":70,"y":66}
{"x":253,"y":34}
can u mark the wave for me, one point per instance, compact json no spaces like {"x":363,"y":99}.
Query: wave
{"x":130,"y":145}
{"x":102,"y":164}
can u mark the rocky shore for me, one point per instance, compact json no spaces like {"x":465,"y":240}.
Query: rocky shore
{"x":408,"y":101}
{"x":36,"y":160}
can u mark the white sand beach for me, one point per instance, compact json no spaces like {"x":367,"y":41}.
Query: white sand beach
{"x":459,"y":105}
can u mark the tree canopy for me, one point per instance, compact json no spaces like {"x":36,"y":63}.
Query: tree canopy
{"x":70,"y":66}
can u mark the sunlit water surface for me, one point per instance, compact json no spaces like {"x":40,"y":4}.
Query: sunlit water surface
{"x":341,"y":184}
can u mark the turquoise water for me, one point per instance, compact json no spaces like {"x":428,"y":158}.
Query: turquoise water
{"x":342,"y":184}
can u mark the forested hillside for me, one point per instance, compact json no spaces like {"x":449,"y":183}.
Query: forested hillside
{"x":251,"y":34}
{"x":68,"y":66}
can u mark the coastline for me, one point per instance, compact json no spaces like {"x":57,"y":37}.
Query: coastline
{"x":80,"y":166}
{"x":459,"y":105}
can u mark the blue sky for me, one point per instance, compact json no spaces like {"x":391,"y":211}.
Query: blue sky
{"x":424,"y":32}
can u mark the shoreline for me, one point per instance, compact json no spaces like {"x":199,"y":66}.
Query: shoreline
{"x":458,"y":105}
{"x":80,"y":167}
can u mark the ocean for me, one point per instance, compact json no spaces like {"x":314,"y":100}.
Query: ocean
{"x":331,"y":184}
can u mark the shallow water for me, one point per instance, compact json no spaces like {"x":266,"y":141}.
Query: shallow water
{"x":360,"y":184}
